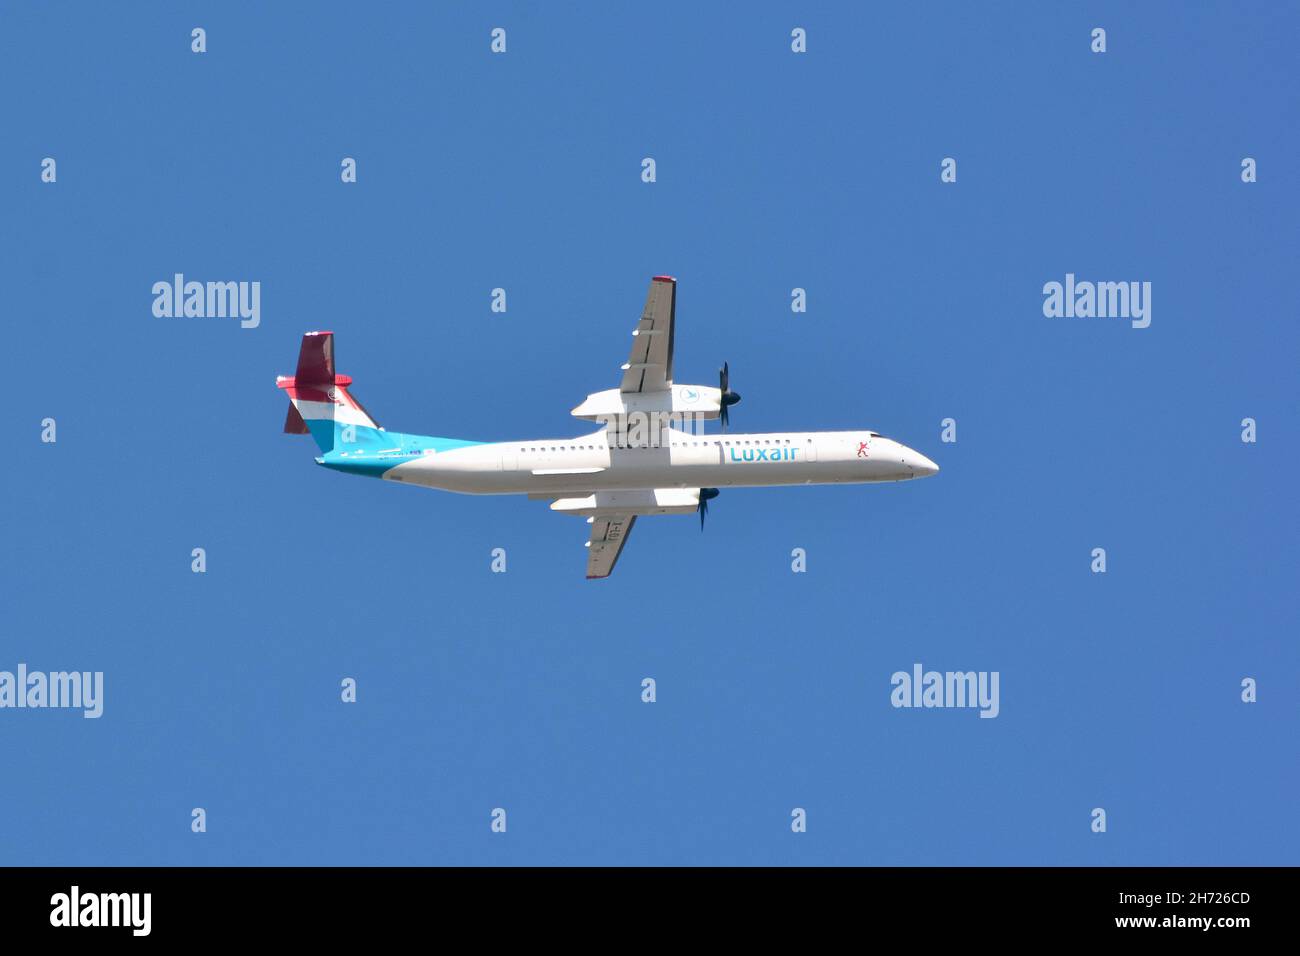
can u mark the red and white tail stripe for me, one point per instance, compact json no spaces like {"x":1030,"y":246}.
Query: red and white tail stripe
{"x":317,"y":392}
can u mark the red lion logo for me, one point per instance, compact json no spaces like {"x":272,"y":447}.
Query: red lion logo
{"x":862,"y":449}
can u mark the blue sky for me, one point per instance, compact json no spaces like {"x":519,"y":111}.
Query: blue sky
{"x":522,"y":690}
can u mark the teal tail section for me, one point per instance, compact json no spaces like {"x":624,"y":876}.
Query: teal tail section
{"x":321,"y":405}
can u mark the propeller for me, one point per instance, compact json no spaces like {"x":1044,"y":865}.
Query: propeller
{"x":729,"y":397}
{"x":705,"y":495}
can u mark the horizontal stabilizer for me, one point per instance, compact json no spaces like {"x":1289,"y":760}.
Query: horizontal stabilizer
{"x":293,"y":423}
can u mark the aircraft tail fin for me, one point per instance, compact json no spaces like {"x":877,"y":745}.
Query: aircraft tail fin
{"x":320,"y":403}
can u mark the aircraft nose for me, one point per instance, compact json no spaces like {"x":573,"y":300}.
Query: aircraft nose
{"x":921,"y":466}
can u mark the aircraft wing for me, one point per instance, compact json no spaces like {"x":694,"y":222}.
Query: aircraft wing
{"x":649,"y":368}
{"x":608,"y":535}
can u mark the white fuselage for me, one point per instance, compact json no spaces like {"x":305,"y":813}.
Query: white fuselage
{"x":680,"y":460}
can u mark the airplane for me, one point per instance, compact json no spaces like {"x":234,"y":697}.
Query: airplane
{"x":649,"y":457}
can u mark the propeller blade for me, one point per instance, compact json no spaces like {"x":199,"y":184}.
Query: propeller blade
{"x":728,"y":398}
{"x":706,"y":495}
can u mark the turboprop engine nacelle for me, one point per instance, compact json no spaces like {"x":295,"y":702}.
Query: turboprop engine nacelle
{"x":697,"y":401}
{"x":645,"y":501}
